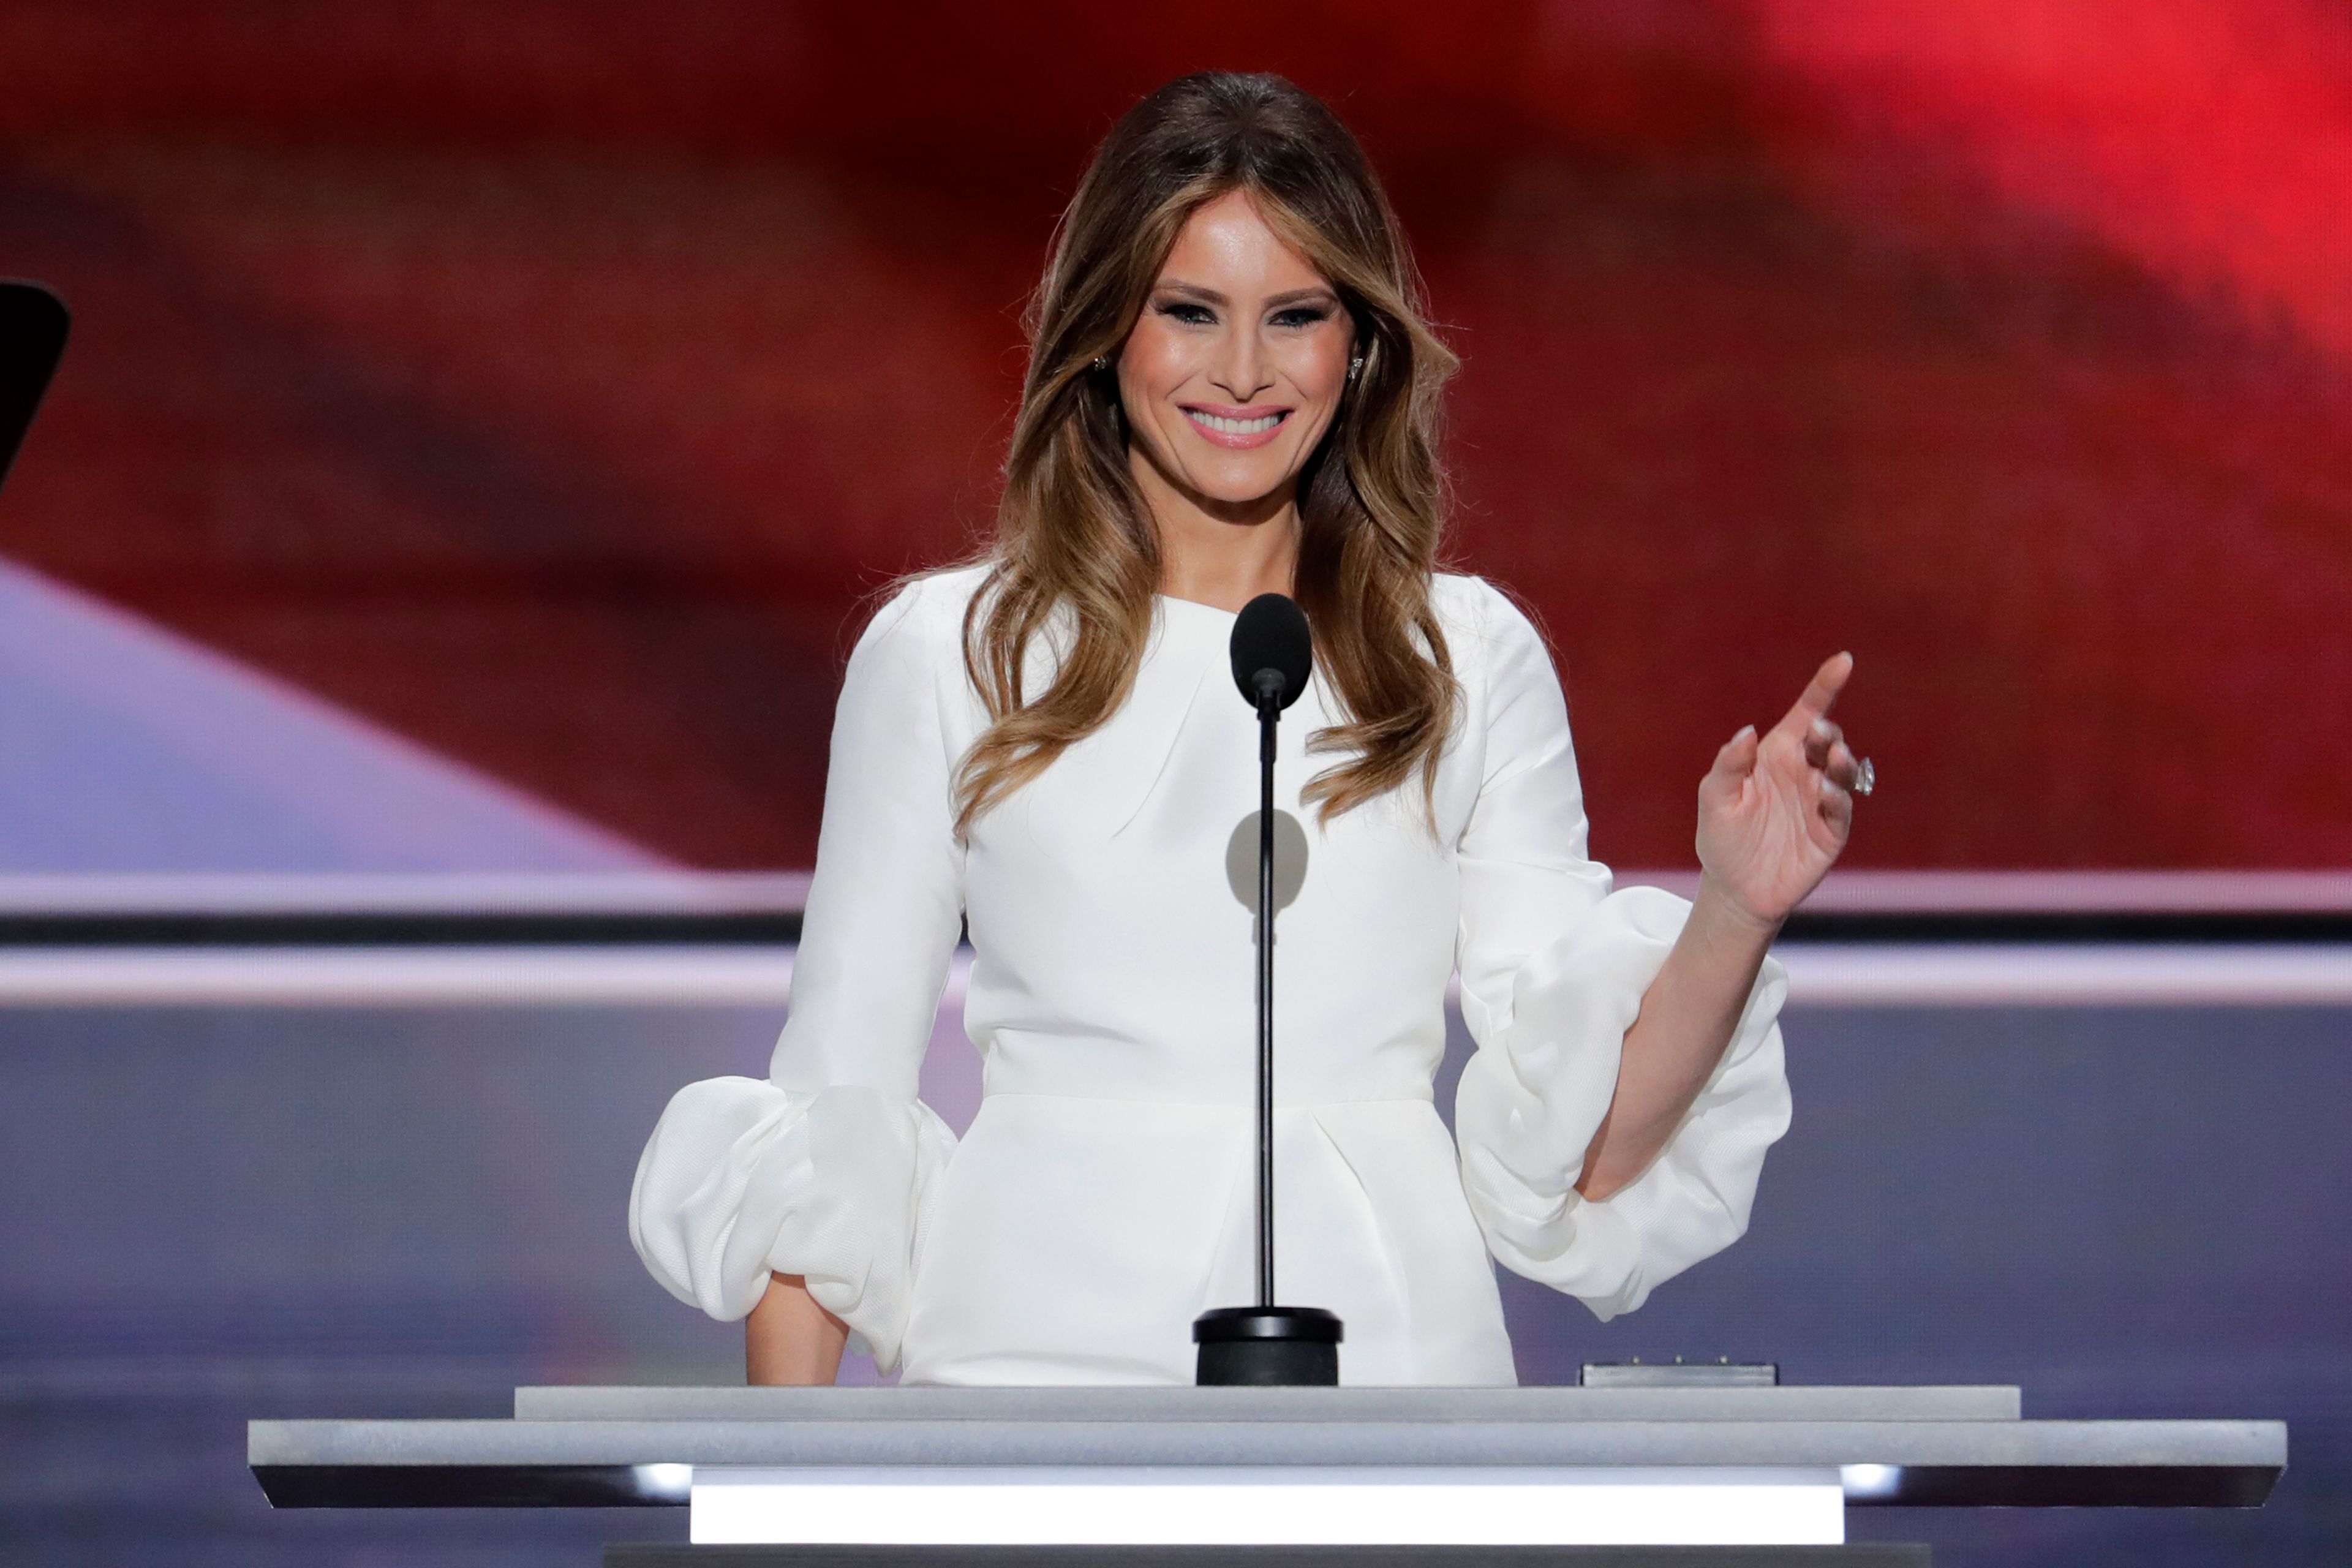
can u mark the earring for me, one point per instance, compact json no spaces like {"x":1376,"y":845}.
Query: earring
{"x":1101,"y":364}
{"x":1354,"y":366}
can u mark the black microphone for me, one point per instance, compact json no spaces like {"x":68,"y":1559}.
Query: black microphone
{"x":1273,"y":654}
{"x":1273,"y":650}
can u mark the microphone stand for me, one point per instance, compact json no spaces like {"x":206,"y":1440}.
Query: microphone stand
{"x":1269,"y":715}
{"x":1265,"y":1344}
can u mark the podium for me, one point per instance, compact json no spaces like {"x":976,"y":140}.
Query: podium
{"x":873,"y":1478}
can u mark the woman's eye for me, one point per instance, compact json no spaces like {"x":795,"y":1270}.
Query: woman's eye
{"x":1301,"y":316}
{"x":1192,"y":315}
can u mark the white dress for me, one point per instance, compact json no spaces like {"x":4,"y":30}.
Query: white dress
{"x":1103,"y":1196}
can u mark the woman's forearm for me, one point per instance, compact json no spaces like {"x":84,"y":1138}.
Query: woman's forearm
{"x":788,"y":1338}
{"x":1687,"y":1019}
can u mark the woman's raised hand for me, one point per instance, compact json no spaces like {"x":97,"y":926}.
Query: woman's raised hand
{"x":1774,"y":811}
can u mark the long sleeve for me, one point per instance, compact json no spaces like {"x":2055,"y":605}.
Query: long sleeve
{"x":1554,"y":965}
{"x":827,"y":1168}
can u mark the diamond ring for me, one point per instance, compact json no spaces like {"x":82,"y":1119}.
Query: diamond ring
{"x":1865,"y":777}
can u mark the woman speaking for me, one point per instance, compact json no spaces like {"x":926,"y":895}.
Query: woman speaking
{"x":1232,"y":391}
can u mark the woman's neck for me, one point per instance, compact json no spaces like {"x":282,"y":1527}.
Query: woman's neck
{"x":1217,"y":553}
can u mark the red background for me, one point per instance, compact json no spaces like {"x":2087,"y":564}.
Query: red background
{"x":553,"y":382}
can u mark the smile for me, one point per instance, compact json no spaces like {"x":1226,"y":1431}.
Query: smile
{"x":1239,"y":428}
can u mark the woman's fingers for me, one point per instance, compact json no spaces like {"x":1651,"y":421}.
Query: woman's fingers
{"x":1733,"y":764}
{"x":1820,"y":694}
{"x":1826,"y":753}
{"x":1821,"y":738}
{"x":1837,"y":807}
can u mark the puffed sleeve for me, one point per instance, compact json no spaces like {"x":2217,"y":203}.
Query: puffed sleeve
{"x":827,"y":1168}
{"x":1554,"y":965}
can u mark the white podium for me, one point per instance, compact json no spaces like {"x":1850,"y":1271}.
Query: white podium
{"x":814,"y":1473}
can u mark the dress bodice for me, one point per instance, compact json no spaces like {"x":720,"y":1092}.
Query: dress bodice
{"x":1112,"y":908}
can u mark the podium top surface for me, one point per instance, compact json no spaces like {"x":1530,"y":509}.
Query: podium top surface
{"x":603,"y":1446}
{"x":1317,"y":1444}
{"x":1283,"y":1406}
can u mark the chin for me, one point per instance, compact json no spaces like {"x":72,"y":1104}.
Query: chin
{"x":1237,"y":484}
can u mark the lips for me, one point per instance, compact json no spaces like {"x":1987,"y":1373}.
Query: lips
{"x":1237,"y":428}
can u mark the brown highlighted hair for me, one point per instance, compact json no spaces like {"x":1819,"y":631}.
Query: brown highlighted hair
{"x":1076,"y":559}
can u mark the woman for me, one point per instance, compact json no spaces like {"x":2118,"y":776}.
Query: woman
{"x":1232,"y":391}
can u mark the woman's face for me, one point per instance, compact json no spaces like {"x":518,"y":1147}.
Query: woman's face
{"x":1238,"y":362}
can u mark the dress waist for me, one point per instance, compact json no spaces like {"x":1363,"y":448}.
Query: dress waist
{"x":1281,"y":1104}
{"x":1131,"y":1072}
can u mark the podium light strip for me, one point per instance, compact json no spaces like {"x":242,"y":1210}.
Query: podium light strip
{"x":1288,"y":1506}
{"x":1820,"y":976}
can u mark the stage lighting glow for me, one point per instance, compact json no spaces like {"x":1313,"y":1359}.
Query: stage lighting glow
{"x":1335,"y":1506}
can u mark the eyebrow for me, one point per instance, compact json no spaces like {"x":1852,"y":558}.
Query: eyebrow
{"x":1274,"y":301}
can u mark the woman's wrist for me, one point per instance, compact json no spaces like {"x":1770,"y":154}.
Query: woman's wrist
{"x":790,"y":1338}
{"x":1721,"y":912}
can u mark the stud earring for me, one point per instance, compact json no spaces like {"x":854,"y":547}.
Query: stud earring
{"x":1354,"y":366}
{"x":1101,"y":364}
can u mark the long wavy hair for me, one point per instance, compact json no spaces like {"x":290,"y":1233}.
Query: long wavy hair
{"x":1076,"y":559}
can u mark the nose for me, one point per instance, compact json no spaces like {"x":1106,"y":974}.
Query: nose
{"x":1240,"y":369}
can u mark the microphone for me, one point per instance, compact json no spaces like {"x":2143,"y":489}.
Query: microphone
{"x":1273,"y":651}
{"x":1266,"y":1345}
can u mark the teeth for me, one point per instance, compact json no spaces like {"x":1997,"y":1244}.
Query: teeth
{"x":1236,"y":426}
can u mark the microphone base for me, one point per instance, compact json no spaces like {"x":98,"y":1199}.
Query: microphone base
{"x":1268,"y":1347}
